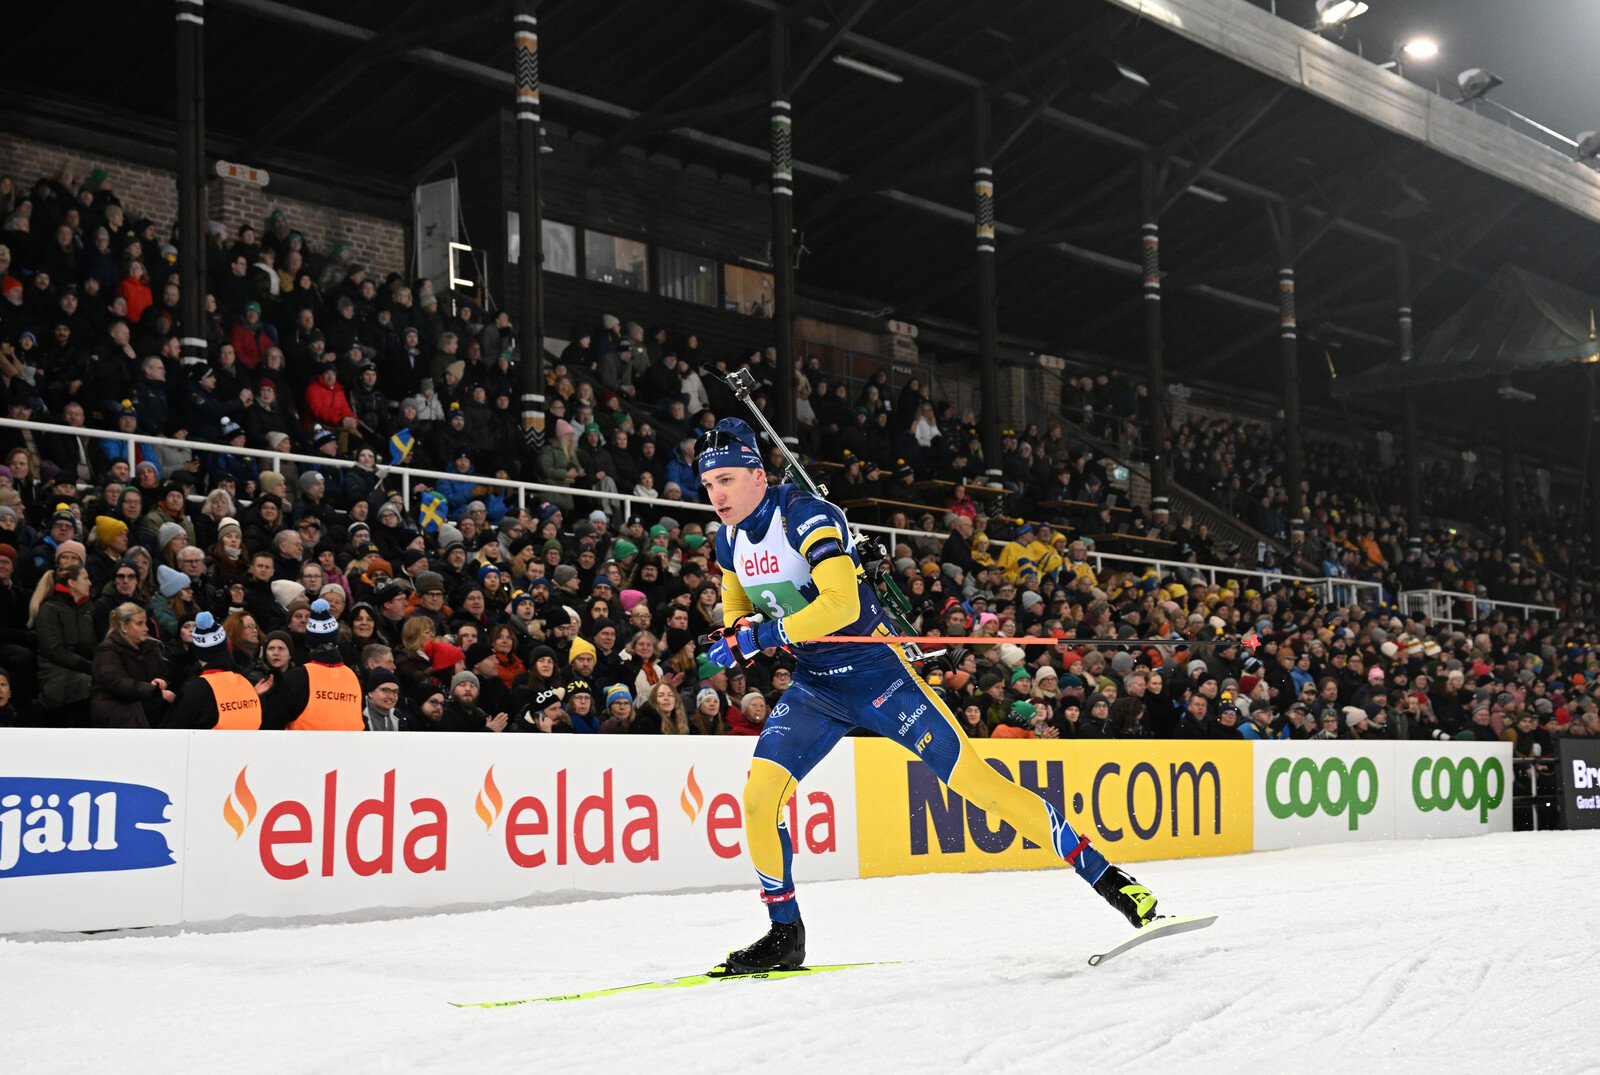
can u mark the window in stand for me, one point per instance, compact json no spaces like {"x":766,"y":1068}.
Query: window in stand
{"x":747,"y":291}
{"x":611,"y":259}
{"x":688,"y":277}
{"x":560,"y":248}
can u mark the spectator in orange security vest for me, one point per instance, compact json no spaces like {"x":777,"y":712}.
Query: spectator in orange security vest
{"x":219,"y":697}
{"x":323,"y":695}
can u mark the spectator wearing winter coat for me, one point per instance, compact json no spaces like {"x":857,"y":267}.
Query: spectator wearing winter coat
{"x":252,"y":337}
{"x":326,"y":401}
{"x":129,"y":673}
{"x":151,"y":397}
{"x":65,"y":630}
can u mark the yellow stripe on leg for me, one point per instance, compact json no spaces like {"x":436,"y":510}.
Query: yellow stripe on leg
{"x":767,"y":791}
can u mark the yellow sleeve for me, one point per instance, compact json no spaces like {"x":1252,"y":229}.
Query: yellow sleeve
{"x":735,"y":602}
{"x":837,"y":606}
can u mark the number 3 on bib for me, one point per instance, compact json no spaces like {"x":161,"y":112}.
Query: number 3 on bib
{"x":781,"y":599}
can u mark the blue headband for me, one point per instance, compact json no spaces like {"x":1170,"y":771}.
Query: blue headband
{"x":732,"y":443}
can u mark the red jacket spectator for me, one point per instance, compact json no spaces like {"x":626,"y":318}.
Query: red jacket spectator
{"x":252,"y":337}
{"x":326,"y":402}
{"x":136,"y":292}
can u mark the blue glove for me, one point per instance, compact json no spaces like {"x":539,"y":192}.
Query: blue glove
{"x":745,"y":641}
{"x":721,"y":652}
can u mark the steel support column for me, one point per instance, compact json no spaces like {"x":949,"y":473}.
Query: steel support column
{"x":1408,"y":403}
{"x":1155,"y":359}
{"x":782,"y":401}
{"x":1289,"y":337}
{"x":530,"y":210}
{"x":190,"y":20}
{"x":1508,"y":474}
{"x":1591,"y":465}
{"x":988,"y":323}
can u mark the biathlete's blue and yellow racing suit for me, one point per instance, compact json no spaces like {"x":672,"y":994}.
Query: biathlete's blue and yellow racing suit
{"x":793,"y":561}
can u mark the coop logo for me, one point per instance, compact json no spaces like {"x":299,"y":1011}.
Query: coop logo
{"x":813,"y":826}
{"x":1304,"y":787}
{"x":52,"y":825}
{"x":1145,"y":801}
{"x":1447,"y":783}
{"x":556,"y":829}
{"x":295,"y":837}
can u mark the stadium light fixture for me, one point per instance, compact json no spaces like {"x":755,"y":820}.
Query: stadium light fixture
{"x":860,"y":67}
{"x":1420,"y":49}
{"x":1474,"y":82}
{"x":1331,"y":13}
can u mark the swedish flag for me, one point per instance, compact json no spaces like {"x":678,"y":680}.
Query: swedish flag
{"x":432,"y":513}
{"x":400,"y":446}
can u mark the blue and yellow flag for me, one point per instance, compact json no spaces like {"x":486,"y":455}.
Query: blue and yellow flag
{"x":433,"y":512}
{"x":400,"y":446}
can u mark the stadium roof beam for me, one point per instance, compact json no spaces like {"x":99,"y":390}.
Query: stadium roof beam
{"x":494,"y":76}
{"x":656,"y":117}
{"x":395,"y":38}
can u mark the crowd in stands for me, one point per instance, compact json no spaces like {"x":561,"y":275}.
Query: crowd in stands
{"x":461,"y":610}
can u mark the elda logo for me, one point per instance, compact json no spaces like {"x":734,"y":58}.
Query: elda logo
{"x":291,"y":829}
{"x":816,"y":830}
{"x":53,"y":825}
{"x":538,"y":831}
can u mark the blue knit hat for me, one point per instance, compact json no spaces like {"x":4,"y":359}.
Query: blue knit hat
{"x":732,"y":443}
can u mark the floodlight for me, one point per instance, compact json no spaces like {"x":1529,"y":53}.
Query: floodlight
{"x":1338,"y":12}
{"x":1475,"y":82}
{"x":1420,"y":48}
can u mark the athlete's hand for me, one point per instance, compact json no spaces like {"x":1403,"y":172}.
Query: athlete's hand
{"x":742,"y":642}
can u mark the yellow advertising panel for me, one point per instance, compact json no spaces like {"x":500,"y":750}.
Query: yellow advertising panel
{"x":1136,"y":800}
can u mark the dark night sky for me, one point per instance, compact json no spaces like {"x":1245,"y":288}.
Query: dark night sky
{"x":1544,"y":49}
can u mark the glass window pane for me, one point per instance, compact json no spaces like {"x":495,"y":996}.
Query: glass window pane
{"x":560,"y":248}
{"x":688,"y":277}
{"x":611,"y":259}
{"x":747,"y":291}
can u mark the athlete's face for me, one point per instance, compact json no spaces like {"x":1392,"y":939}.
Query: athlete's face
{"x":734,"y":491}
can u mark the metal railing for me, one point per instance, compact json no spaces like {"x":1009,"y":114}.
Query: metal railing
{"x":408,"y":475}
{"x":1459,"y":609}
{"x":1340,"y":591}
{"x":1332,"y":591}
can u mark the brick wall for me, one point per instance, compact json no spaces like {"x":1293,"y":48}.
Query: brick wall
{"x":378,"y":243}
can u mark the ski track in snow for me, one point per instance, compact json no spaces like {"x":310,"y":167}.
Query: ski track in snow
{"x":1473,"y":955}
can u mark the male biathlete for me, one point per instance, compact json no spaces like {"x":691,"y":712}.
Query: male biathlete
{"x":787,"y":555}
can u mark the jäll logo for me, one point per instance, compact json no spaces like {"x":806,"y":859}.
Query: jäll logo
{"x":54,"y":826}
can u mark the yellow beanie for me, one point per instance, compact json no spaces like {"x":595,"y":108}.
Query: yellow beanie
{"x":580,"y":646}
{"x":107,"y":530}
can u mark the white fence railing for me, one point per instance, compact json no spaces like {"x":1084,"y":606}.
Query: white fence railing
{"x":1458,"y":609}
{"x":408,"y":475}
{"x":1336,"y":591}
{"x":1332,"y":591}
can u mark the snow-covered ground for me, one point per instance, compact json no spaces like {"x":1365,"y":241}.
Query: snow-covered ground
{"x":1455,"y":955}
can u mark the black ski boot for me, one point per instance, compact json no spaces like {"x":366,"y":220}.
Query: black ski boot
{"x":1131,"y":899}
{"x":783,"y":948}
